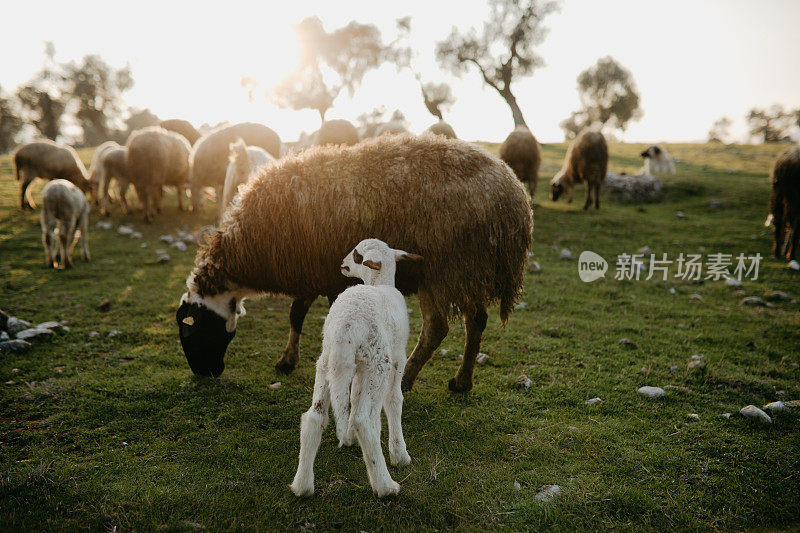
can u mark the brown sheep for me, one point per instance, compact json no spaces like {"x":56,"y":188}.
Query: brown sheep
{"x":444,"y":129}
{"x":210,"y":157}
{"x":450,"y":201}
{"x":155,"y":158}
{"x":337,"y":132}
{"x":586,"y":161}
{"x":184,"y":127}
{"x":47,"y":160}
{"x":109,"y":163}
{"x":784,"y":204}
{"x":521,"y":152}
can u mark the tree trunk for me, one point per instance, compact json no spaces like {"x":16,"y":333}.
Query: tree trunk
{"x":322,"y":115}
{"x":516,"y":112}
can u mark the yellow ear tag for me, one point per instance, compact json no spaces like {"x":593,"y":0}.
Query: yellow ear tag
{"x":189,"y":321}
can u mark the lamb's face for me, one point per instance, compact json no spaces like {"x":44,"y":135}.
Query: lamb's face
{"x":652,"y":152}
{"x":367,"y":257}
{"x":557,"y":188}
{"x":205,"y":334}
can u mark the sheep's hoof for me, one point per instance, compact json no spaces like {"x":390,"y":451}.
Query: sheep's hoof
{"x":407,"y":384}
{"x":455,"y":386}
{"x":284,"y":367}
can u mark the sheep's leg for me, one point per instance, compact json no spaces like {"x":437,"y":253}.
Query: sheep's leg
{"x":158,"y":199}
{"x":69,"y":241}
{"x":313,"y":423}
{"x":197,"y":196}
{"x":780,"y":227}
{"x":393,"y":406}
{"x":103,"y":194}
{"x":25,"y":199}
{"x":794,"y":238}
{"x":122,"y":191}
{"x":179,"y":191}
{"x":597,"y":195}
{"x":474,"y":324}
{"x":367,"y":422}
{"x":340,"y":383}
{"x":84,"y":227}
{"x":434,"y":330}
{"x":588,"y":201}
{"x":350,"y":435}
{"x":48,"y":239}
{"x":291,"y":354}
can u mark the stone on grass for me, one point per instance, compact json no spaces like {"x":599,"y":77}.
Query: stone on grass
{"x":179,"y":245}
{"x":548,"y":493}
{"x":517,"y":485}
{"x":93,"y":334}
{"x":482,"y":359}
{"x":103,"y":224}
{"x":733,"y":282}
{"x":793,"y":265}
{"x":14,"y":345}
{"x":565,"y":254}
{"x":56,"y":327}
{"x":163,"y":258}
{"x":755,"y":301}
{"x":523,"y":382}
{"x":444,"y":351}
{"x":692,"y":416}
{"x":534,"y":267}
{"x":169,"y":239}
{"x":144,"y":245}
{"x":755,"y":414}
{"x":276,"y":385}
{"x":776,"y":407}
{"x":725,"y":415}
{"x":104,"y":306}
{"x":113,"y":333}
{"x":136,"y":235}
{"x":628,"y":343}
{"x":672,"y":290}
{"x":652,"y":392}
{"x":695,"y":296}
{"x":4,"y":336}
{"x":124,"y":230}
{"x":696,"y":365}
{"x":30,"y":333}
{"x":15,"y":325}
{"x":521,"y":305}
{"x":680,"y":214}
{"x":634,"y":188}
{"x":594,"y":401}
{"x":777,"y":296}
{"x":645,"y":251}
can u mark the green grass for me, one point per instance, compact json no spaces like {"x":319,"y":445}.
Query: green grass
{"x":124,"y":435}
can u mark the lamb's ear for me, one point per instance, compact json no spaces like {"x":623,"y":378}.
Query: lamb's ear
{"x":374,"y":265}
{"x":400,"y":255}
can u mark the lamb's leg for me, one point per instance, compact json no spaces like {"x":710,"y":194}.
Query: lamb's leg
{"x":313,"y":423}
{"x":588,"y":201}
{"x":122,"y":191}
{"x":291,"y":354}
{"x":103,"y":193}
{"x":434,"y":330}
{"x":158,"y":198}
{"x":197,"y":197}
{"x":179,"y":191}
{"x":474,"y":323}
{"x":393,"y":406}
{"x":367,"y":422}
{"x":25,"y":199}
{"x":48,"y":239}
{"x":69,"y":242}
{"x":597,"y":195}
{"x":350,"y":435}
{"x":83,"y":224}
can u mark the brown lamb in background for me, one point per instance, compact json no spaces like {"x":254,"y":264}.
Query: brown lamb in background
{"x":586,"y":161}
{"x":47,"y":160}
{"x":521,"y":152}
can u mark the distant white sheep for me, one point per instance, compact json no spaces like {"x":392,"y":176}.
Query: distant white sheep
{"x":363,"y":346}
{"x":244,"y":161}
{"x":109,"y":163}
{"x":657,"y":161}
{"x":64,"y":211}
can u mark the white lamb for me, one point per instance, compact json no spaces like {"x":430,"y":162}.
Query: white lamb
{"x":364,"y":344}
{"x":657,"y":161}
{"x":64,"y":211}
{"x":244,"y":161}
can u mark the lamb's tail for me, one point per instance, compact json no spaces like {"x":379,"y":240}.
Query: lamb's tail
{"x":239,"y":157}
{"x":341,"y":369}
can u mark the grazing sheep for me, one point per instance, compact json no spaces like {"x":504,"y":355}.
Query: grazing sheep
{"x":47,"y":160}
{"x":784,"y":204}
{"x":109,"y":163}
{"x":521,"y":152}
{"x":244,"y":161}
{"x":657,"y":161}
{"x":586,"y":161}
{"x":64,"y":212}
{"x":451,"y":201}
{"x":362,"y":362}
{"x":210,"y":157}
{"x":442,"y":128}
{"x":393,"y":127}
{"x":337,"y":132}
{"x":155,"y":158}
{"x":184,"y":127}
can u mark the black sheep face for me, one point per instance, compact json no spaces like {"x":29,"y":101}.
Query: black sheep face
{"x":204,"y":338}
{"x":556,"y":190}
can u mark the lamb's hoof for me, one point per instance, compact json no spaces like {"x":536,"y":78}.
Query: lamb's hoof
{"x":455,"y":386}
{"x":302,"y":489}
{"x":389,"y":489}
{"x":407,"y":384}
{"x":400,"y":459}
{"x":284,"y":367}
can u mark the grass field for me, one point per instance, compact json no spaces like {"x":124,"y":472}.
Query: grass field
{"x":103,"y":433}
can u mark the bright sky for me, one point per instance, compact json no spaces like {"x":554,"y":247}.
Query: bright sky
{"x":693,"y":60}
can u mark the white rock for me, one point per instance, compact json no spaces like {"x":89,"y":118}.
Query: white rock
{"x":530,"y":254}
{"x":409,"y":310}
{"x":594,"y":401}
{"x":136,"y":235}
{"x":645,"y":251}
{"x":143,"y":245}
{"x":15,"y":324}
{"x":180,"y":246}
{"x":103,"y":224}
{"x":55,"y":327}
{"x":124,"y":230}
{"x":4,"y":336}
{"x":695,"y":296}
{"x":523,"y":382}
{"x":534,"y":266}
{"x":693,"y":416}
{"x":755,"y":301}
{"x":755,"y":414}
{"x":444,"y":351}
{"x":30,"y":333}
{"x":15,"y":345}
{"x":517,"y":485}
{"x":672,"y":290}
{"x":548,"y":492}
{"x":114,"y":333}
{"x":276,"y":385}
{"x":725,"y":415}
{"x":680,"y":214}
{"x":163,"y":258}
{"x":733,"y":282}
{"x":652,"y":392}
{"x":521,"y":305}
{"x":565,"y":254}
{"x":93,"y":334}
{"x":776,"y":407}
{"x":169,"y":239}
{"x":794,"y":265}
{"x":482,"y":359}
